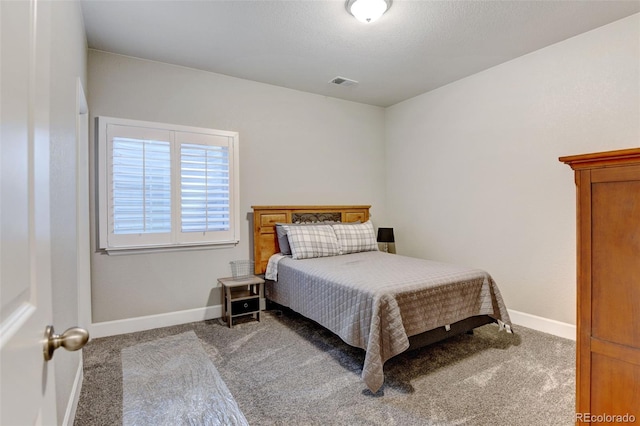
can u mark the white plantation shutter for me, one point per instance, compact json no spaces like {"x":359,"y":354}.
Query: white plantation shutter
{"x":205,"y":188}
{"x":141,"y":179}
{"x":166,"y":186}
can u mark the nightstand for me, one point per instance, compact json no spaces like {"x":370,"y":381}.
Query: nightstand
{"x":241,"y":296}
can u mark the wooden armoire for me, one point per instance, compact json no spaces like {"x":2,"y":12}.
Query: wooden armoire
{"x":608,"y":314}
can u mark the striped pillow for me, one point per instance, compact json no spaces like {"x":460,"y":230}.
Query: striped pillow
{"x":312,"y":241}
{"x":354,"y":238}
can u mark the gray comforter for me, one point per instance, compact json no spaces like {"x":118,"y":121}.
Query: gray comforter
{"x":376,"y":301}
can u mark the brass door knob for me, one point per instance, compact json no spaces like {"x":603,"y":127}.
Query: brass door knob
{"x":72,"y":340}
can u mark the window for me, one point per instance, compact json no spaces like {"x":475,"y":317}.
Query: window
{"x":165,"y":185}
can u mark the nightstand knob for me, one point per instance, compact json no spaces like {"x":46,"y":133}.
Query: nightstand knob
{"x":246,"y":305}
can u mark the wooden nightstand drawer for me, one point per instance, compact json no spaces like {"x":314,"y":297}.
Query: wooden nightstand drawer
{"x":246,"y":306}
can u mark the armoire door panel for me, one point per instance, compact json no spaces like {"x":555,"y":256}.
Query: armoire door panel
{"x":615,"y":262}
{"x":615,"y":386}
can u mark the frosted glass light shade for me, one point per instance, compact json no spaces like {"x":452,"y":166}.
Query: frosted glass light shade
{"x":367,"y":11}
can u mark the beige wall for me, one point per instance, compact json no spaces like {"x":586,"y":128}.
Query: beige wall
{"x":480,"y":157}
{"x":295,"y":148}
{"x":68,"y":64}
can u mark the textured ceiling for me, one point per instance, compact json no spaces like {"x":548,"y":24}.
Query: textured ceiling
{"x":415,"y":47}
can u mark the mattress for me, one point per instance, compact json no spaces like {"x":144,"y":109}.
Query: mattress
{"x":375,"y":301}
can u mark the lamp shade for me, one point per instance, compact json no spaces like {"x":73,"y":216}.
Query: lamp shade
{"x":385,"y":235}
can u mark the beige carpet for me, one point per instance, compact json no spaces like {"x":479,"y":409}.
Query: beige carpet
{"x":287,"y":370}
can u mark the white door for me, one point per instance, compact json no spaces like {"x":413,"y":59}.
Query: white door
{"x":27,"y":391}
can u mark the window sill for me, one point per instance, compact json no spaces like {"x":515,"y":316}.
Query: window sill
{"x":161,"y":249}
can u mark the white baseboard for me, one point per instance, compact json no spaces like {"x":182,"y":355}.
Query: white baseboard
{"x":557,"y":328}
{"x":131,"y":325}
{"x":72,"y":405}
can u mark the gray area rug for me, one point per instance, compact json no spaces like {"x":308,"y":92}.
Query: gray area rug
{"x":172,"y":381}
{"x":287,"y":370}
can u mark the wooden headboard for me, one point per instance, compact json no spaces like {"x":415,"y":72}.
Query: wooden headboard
{"x":265,"y":240}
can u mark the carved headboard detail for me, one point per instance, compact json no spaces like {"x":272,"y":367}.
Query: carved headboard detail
{"x":265,"y":240}
{"x":316,"y":217}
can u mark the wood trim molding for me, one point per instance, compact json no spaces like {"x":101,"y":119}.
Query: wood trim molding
{"x":601,"y":159}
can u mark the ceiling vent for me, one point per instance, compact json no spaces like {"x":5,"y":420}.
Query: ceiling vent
{"x":341,"y":81}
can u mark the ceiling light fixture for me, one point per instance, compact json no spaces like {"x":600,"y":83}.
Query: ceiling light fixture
{"x":367,"y":11}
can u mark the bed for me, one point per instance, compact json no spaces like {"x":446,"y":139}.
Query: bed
{"x":380,"y":302}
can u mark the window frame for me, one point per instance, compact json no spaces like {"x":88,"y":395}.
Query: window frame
{"x":112,"y":243}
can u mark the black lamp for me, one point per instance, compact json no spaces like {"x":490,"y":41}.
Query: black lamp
{"x":385,"y":235}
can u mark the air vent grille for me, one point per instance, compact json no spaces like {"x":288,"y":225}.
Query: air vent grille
{"x":341,"y":81}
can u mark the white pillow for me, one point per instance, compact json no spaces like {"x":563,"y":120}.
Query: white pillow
{"x":312,"y":241}
{"x":354,"y":238}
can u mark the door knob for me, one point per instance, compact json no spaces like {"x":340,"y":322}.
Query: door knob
{"x":72,"y":340}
